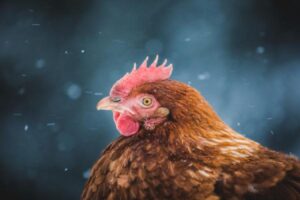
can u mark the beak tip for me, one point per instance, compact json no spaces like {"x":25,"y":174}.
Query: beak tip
{"x":103,"y":104}
{"x":99,"y":107}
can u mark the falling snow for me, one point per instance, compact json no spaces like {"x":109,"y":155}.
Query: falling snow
{"x":88,"y":92}
{"x":40,"y":63}
{"x":21,"y":91}
{"x":17,"y":114}
{"x":187,"y":39}
{"x":51,"y":124}
{"x":203,"y":76}
{"x":260,"y":50}
{"x":86,"y":174}
{"x":98,"y":93}
{"x":26,"y":127}
{"x":73,"y":91}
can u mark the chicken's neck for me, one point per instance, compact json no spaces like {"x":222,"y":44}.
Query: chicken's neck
{"x":204,"y":131}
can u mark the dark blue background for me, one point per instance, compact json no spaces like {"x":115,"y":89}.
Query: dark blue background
{"x":59,"y":57}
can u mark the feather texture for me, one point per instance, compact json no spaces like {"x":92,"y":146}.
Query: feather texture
{"x":192,"y":155}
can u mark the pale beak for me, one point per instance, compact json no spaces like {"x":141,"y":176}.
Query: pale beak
{"x":106,"y":104}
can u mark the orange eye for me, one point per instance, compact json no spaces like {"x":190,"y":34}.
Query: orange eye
{"x":146,"y":101}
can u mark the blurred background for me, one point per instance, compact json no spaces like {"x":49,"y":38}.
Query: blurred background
{"x":59,"y":57}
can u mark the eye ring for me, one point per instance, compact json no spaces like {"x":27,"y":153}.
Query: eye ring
{"x":146,"y":101}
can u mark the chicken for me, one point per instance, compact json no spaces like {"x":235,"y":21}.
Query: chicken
{"x":174,"y":146}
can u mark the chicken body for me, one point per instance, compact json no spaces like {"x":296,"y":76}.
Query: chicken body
{"x":191,"y":155}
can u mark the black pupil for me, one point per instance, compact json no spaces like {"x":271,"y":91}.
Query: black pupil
{"x":147,"y":101}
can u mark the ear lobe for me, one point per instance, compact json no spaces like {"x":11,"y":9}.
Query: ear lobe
{"x":162,"y":112}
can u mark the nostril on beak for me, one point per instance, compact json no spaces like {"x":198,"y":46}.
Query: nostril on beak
{"x":116,"y":99}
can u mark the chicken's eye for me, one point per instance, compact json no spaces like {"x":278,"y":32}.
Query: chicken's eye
{"x":147,"y":101}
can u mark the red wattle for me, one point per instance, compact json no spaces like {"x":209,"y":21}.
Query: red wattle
{"x":125,"y":124}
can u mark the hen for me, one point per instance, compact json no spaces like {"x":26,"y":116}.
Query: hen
{"x":174,"y":146}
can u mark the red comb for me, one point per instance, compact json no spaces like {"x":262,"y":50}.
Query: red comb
{"x":143,"y":74}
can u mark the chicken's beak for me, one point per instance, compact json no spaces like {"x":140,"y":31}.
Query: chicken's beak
{"x":106,"y":104}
